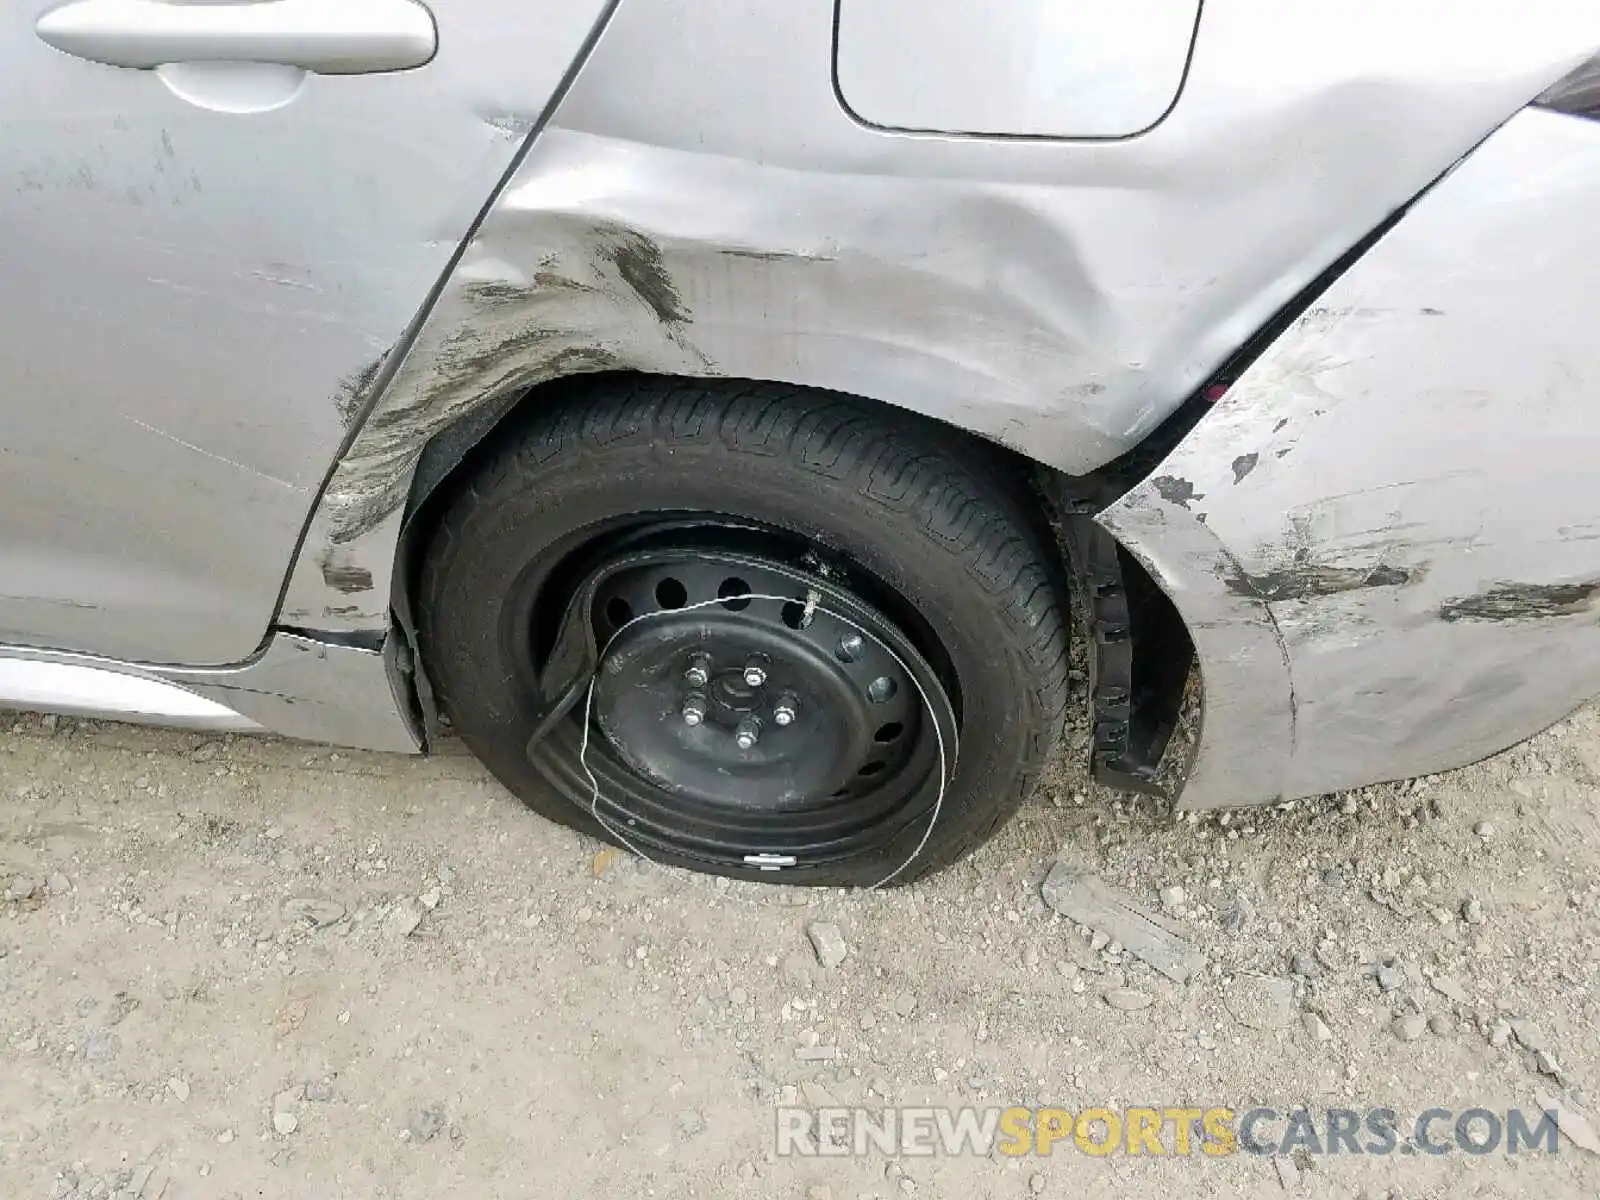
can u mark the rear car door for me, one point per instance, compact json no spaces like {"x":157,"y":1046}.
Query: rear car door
{"x":216,"y":220}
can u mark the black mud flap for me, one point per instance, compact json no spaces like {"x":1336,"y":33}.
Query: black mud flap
{"x":1139,"y":657}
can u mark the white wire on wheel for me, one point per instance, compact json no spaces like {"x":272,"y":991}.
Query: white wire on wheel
{"x":588,"y":709}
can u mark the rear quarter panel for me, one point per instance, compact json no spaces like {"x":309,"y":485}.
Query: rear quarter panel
{"x":1385,"y":538}
{"x":702,"y":204}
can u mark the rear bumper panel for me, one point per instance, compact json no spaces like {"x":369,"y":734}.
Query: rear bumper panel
{"x":1385,"y":538}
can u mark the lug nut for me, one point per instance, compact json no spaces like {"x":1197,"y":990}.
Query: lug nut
{"x":699,"y":672}
{"x":851,"y":647}
{"x":748,"y":733}
{"x":785,"y":711}
{"x":694,"y":710}
{"x":755,"y":674}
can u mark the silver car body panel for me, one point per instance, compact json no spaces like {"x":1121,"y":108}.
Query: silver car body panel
{"x":250,"y":311}
{"x":297,"y":687}
{"x":1059,"y":297}
{"x":1385,"y":538}
{"x":206,"y":263}
{"x":42,"y":681}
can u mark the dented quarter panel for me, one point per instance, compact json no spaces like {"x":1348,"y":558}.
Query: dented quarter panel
{"x":1417,"y":533}
{"x":700,"y":204}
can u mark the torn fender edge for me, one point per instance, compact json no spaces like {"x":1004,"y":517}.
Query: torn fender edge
{"x":1248,"y":718}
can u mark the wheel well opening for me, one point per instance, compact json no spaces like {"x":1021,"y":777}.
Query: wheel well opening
{"x":1159,"y":651}
{"x":450,"y":457}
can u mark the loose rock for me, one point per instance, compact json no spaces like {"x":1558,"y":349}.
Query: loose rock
{"x":1305,"y":965}
{"x":1391,"y":976}
{"x":1089,"y":900}
{"x":317,"y":912}
{"x":1572,"y":1123}
{"x":1529,"y":1036}
{"x":425,"y":1124}
{"x":828,"y":942}
{"x":402,"y":920}
{"x":1128,"y":1000}
{"x":1409,"y":1027}
{"x":1261,"y":1001}
{"x":816,"y":1095}
{"x":285,"y":1110}
{"x":100,"y":1046}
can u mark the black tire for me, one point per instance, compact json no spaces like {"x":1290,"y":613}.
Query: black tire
{"x":941,"y":520}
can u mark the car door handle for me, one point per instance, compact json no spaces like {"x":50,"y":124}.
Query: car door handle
{"x":328,"y":37}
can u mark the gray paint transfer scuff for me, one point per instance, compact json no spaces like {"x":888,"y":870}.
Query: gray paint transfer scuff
{"x":1416,"y":540}
{"x":1306,"y":580}
{"x":1060,"y":298}
{"x":1523,"y":602}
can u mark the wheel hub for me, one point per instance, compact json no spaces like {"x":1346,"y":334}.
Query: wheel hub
{"x":747,"y":702}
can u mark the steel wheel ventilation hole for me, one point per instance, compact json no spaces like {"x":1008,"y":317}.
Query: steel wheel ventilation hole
{"x":671,"y":594}
{"x":730,"y":592}
{"x":888,"y":733}
{"x":618,"y":611}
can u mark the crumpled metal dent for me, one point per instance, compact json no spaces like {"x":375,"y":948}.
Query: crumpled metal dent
{"x":595,"y":303}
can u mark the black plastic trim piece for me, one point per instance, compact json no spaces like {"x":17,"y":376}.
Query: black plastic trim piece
{"x":1136,"y":672}
{"x":1578,"y":95}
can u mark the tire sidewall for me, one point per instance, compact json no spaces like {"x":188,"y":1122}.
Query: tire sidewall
{"x":469,"y":614}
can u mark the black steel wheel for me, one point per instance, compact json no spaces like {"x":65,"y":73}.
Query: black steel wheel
{"x":787,"y":639}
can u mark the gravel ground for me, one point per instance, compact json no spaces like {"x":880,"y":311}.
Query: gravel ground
{"x":250,"y":967}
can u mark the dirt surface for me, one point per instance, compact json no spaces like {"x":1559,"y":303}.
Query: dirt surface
{"x":249,"y":967}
